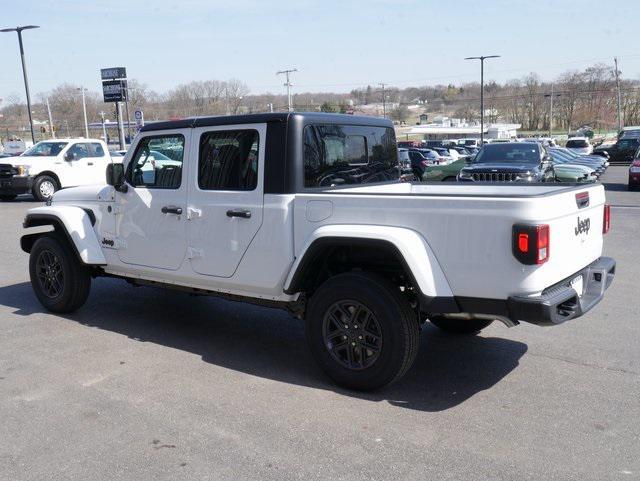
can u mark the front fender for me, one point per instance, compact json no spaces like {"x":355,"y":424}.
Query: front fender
{"x":74,"y":222}
{"x":413,"y":247}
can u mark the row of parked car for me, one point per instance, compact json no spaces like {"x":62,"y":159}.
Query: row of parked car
{"x":531,"y":160}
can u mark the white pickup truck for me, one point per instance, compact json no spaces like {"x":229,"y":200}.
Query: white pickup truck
{"x":51,"y":165}
{"x":304,"y":211}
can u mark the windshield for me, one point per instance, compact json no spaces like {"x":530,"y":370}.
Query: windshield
{"x":579,"y":144}
{"x":510,"y":152}
{"x":45,"y":149}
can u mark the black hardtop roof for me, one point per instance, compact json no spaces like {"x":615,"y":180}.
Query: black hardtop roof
{"x":194,"y":122}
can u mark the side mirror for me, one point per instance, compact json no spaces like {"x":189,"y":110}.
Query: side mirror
{"x":115,"y":177}
{"x":69,"y":156}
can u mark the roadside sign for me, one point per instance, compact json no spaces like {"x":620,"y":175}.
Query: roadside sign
{"x":113,"y":73}
{"x":139,"y":116}
{"x":114,"y":90}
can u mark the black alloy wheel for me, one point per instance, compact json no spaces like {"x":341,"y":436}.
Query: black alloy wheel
{"x":352,"y":334}
{"x":50,"y":274}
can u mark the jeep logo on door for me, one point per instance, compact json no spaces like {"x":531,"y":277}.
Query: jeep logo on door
{"x":583,"y":226}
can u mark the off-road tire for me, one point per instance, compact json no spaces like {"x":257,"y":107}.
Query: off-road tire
{"x":397,"y":326}
{"x":460,"y":326}
{"x":38,"y":184}
{"x":74,"y":281}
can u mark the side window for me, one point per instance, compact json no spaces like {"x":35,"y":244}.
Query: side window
{"x":77,"y":152}
{"x":157,"y":162}
{"x":96,"y":150}
{"x":228,"y":160}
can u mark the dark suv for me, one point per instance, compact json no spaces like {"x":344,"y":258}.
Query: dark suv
{"x":510,"y":162}
{"x":622,"y":151}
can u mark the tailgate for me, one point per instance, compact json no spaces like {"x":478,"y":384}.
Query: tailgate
{"x":575,"y":220}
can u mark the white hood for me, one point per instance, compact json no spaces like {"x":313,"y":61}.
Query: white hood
{"x":87,"y":193}
{"x":25,"y":160}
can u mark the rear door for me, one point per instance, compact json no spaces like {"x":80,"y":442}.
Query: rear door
{"x":96,"y":163}
{"x":226,"y":198}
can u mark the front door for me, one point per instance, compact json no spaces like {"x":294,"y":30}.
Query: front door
{"x":151,"y":220}
{"x":225,"y":204}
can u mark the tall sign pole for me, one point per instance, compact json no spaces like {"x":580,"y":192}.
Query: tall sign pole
{"x":114,"y":89}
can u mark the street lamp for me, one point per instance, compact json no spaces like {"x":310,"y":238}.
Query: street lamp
{"x":482,"y":59}
{"x":84,"y":111}
{"x":19,"y":30}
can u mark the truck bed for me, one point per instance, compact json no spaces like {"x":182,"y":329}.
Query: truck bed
{"x":469,"y":228}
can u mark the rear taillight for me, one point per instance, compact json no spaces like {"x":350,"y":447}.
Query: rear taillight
{"x":530,"y":243}
{"x":606,"y":223}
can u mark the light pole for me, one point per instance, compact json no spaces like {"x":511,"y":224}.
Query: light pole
{"x":482,"y":59}
{"x":288,"y":85}
{"x":84,"y":111}
{"x":19,"y":30}
{"x":551,"y":96}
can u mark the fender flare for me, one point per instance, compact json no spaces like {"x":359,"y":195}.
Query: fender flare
{"x":75,"y":223}
{"x":413,"y":248}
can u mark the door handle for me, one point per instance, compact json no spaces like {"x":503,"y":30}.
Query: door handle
{"x":89,"y":163}
{"x":171,"y":209}
{"x":245,"y":214}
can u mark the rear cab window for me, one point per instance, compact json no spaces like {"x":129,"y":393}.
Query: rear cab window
{"x":336,"y":155}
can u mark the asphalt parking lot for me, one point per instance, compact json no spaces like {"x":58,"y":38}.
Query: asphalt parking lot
{"x":149,"y":384}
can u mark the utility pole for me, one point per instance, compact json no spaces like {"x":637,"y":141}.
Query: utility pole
{"x":84,"y":111}
{"x":617,"y":73}
{"x":482,"y":59}
{"x":19,"y":30}
{"x":288,"y":85}
{"x":551,"y":95}
{"x":384,"y":100}
{"x":53,"y":134}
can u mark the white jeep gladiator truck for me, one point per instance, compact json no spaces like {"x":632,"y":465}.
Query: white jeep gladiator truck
{"x":51,"y":165}
{"x":304,"y":211}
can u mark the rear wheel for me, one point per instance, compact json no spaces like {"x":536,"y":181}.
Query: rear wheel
{"x":362,"y":330}
{"x":44,"y":187}
{"x":60,"y":281}
{"x":460,"y":326}
{"x":8,"y":197}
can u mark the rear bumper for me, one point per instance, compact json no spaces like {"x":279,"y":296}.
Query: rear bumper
{"x":15,"y":185}
{"x":561,"y":302}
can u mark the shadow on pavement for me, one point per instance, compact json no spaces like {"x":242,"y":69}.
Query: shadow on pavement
{"x":271,"y":344}
{"x":615,"y":186}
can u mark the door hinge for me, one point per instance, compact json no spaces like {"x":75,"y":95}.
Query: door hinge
{"x":192,"y":252}
{"x":193,"y":213}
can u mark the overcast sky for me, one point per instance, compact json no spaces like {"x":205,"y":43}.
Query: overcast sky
{"x":336,"y":45}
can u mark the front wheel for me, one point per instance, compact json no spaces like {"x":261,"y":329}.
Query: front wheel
{"x":460,"y":326}
{"x":362,"y":330}
{"x":60,"y":281}
{"x":44,"y":187}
